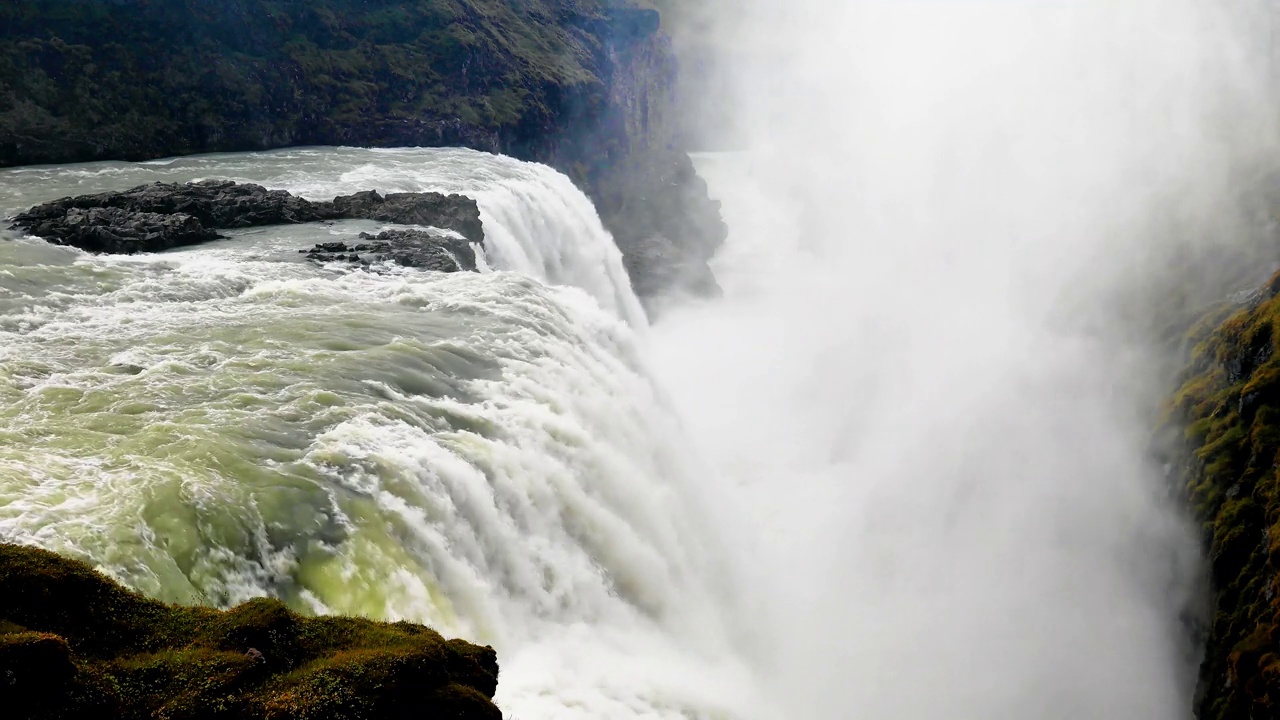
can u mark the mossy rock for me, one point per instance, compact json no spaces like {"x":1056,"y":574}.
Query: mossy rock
{"x":76,"y":644}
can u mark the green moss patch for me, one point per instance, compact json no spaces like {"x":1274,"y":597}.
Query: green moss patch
{"x":76,"y":644}
{"x":1229,"y":408}
{"x":98,"y":79}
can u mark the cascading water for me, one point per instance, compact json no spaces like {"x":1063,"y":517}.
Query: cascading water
{"x":480,"y":452}
{"x":923,"y":416}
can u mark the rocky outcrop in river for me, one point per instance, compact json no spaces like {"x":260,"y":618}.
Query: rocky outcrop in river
{"x":587,"y":86}
{"x":151,"y":218}
{"x":410,"y":248}
{"x":76,"y":645}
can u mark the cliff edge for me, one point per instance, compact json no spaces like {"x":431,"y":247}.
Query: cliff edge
{"x":587,"y":86}
{"x":1228,"y":409}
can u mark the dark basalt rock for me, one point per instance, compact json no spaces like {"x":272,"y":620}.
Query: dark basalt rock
{"x":114,"y":230}
{"x":77,"y":645}
{"x":150,"y":218}
{"x":215,"y":203}
{"x":669,"y":232}
{"x":451,"y":212}
{"x":410,"y":248}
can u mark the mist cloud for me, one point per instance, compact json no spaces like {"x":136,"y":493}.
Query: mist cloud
{"x":927,"y":393}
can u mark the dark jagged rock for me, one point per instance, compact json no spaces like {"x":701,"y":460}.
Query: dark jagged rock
{"x":410,"y":248}
{"x":586,"y":86}
{"x":114,"y":230}
{"x":76,"y":645}
{"x":150,"y":218}
{"x":667,"y":232}
{"x":451,"y":212}
{"x":215,"y":203}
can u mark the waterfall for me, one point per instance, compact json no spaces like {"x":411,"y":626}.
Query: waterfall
{"x":482,"y":452}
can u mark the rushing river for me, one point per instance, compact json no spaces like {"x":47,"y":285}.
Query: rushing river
{"x":900,"y":470}
{"x":482,"y":452}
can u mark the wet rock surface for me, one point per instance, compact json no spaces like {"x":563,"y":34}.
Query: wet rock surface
{"x":451,"y":212}
{"x":215,"y":203}
{"x":115,"y":230}
{"x":151,"y":218}
{"x":410,"y":248}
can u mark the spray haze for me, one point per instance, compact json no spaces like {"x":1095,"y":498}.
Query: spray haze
{"x":929,"y":386}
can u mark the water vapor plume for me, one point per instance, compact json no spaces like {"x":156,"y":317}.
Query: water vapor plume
{"x":959,"y":238}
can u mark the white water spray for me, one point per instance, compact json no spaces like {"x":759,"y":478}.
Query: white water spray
{"x":923,"y":426}
{"x":480,"y":452}
{"x":922,"y":388}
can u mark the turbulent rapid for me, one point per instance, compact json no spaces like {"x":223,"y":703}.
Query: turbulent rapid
{"x":481,"y":452}
{"x":902,"y":468}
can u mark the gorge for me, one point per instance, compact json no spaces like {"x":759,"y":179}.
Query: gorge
{"x":964,"y":409}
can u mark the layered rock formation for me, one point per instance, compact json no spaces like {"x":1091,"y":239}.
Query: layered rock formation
{"x":76,"y":645}
{"x":587,"y":86}
{"x":151,"y":218}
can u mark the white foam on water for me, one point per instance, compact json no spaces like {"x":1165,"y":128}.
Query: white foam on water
{"x":482,"y":452}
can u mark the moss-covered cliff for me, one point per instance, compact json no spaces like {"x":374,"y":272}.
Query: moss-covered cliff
{"x":1229,"y":408}
{"x":74,"y":644}
{"x":584,"y":85}
{"x":98,"y":79}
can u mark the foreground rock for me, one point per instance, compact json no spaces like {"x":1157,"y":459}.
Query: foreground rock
{"x":150,"y":218}
{"x":75,"y":644}
{"x":410,"y":248}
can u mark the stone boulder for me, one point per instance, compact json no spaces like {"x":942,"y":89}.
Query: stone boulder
{"x":410,"y":248}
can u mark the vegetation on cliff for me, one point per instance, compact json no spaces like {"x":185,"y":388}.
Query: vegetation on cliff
{"x":587,"y":86}
{"x":75,"y":644}
{"x":123,"y":79}
{"x":1229,"y":406}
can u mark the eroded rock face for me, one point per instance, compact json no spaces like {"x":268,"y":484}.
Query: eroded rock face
{"x":151,"y":218}
{"x":1227,"y":413}
{"x":75,"y":644}
{"x":665,"y":224}
{"x":627,"y":151}
{"x":410,"y":248}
